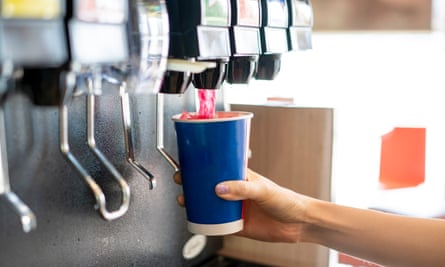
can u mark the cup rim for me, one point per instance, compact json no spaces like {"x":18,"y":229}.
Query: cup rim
{"x":237,"y":115}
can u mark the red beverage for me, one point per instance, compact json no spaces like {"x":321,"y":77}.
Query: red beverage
{"x":207,"y":100}
{"x":190,"y":116}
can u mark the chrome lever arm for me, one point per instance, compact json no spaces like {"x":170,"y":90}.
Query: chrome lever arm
{"x":27,"y":217}
{"x":160,"y":132}
{"x":65,"y":148}
{"x":127,"y":121}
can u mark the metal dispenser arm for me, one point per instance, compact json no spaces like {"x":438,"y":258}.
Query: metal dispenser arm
{"x":64,"y":146}
{"x":128,"y":136}
{"x":27,"y":217}
{"x":160,"y":132}
{"x":126,"y":120}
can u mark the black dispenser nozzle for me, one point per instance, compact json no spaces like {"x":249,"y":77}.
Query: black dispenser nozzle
{"x":211,"y":78}
{"x":199,"y":31}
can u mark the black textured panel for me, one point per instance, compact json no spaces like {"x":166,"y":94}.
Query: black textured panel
{"x":70,"y":231}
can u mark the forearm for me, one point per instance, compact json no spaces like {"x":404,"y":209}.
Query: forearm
{"x":379,"y":237}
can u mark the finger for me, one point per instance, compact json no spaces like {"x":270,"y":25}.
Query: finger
{"x":180,"y":200}
{"x":177,"y":178}
{"x":238,"y":190}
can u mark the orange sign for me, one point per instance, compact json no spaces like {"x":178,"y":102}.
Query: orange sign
{"x":402,"y":160}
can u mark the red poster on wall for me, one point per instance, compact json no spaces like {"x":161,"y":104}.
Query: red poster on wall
{"x":402,"y":160}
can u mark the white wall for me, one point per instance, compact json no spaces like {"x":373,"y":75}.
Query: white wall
{"x":374,"y":81}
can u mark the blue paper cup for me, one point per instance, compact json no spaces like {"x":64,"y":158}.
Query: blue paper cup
{"x":212,"y":151}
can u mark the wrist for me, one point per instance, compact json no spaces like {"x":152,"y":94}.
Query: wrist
{"x":315,"y":221}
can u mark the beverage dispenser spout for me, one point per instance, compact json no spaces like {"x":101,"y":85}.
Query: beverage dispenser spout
{"x":211,"y":78}
{"x":179,"y":74}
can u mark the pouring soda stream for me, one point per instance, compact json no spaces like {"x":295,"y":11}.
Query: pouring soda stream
{"x":207,"y":100}
{"x":206,"y":110}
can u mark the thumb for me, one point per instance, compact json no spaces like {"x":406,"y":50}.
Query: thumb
{"x":237,"y":190}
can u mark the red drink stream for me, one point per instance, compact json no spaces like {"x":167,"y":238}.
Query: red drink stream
{"x":207,"y":100}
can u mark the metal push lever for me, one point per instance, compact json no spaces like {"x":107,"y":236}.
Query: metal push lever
{"x":160,"y":132}
{"x":64,"y":146}
{"x":127,"y":123}
{"x":126,"y":120}
{"x":27,"y":217}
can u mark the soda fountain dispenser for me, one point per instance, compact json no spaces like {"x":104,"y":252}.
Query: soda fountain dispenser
{"x":32,"y":40}
{"x":153,"y":232}
{"x":274,"y":14}
{"x":98,"y":38}
{"x":245,"y":40}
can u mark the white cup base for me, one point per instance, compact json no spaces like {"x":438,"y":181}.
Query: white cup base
{"x":216,"y":229}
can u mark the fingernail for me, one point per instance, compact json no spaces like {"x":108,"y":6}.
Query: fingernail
{"x":222,"y":189}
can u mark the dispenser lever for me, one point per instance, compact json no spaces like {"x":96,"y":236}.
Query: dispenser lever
{"x":64,"y":145}
{"x":126,"y":120}
{"x":160,"y":132}
{"x":27,"y":217}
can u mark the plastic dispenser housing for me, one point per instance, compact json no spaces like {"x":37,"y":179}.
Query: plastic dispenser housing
{"x":33,"y":39}
{"x":245,"y":40}
{"x":275,"y":23}
{"x":199,"y":31}
{"x":97,"y":32}
{"x":301,"y":21}
{"x":148,"y":28}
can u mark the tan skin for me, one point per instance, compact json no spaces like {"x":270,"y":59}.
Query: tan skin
{"x":387,"y":239}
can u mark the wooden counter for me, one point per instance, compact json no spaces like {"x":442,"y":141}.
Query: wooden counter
{"x":293,"y":147}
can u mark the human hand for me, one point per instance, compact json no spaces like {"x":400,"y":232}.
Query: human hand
{"x":271,"y":212}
